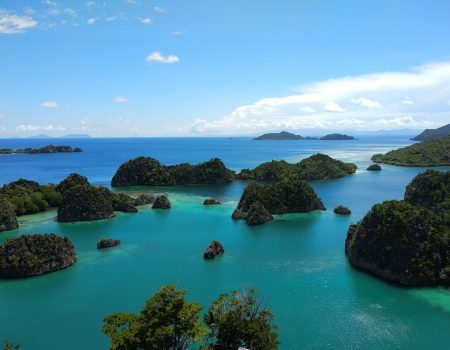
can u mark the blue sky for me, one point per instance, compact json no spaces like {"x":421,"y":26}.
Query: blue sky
{"x":157,"y":68}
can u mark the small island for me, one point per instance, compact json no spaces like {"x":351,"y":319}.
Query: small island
{"x":283,"y":135}
{"x":374,"y":167}
{"x":213,"y":250}
{"x":144,"y":171}
{"x":429,"y":134}
{"x":407,"y":241}
{"x":337,"y":137}
{"x":341,"y":210}
{"x":45,"y":149}
{"x":107,"y":243}
{"x":316,"y":167}
{"x":33,"y":255}
{"x":434,"y":152}
{"x":162,"y":202}
{"x":290,"y":195}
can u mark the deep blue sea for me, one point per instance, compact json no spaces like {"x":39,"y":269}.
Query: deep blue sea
{"x":297,"y":261}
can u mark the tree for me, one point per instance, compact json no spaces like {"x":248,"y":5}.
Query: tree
{"x":240,"y":320}
{"x":167,"y":321}
{"x":10,"y":346}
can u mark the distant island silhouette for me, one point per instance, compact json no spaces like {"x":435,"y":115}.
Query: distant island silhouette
{"x":285,"y":135}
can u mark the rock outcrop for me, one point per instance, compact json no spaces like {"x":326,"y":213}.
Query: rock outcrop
{"x":123,"y":202}
{"x":32,"y":255}
{"x":213,"y":250}
{"x":144,"y":171}
{"x":341,"y":210}
{"x":144,"y":199}
{"x":374,"y":167}
{"x":211,"y":201}
{"x":258,"y":215}
{"x":107,"y":243}
{"x":161,"y":202}
{"x":8,"y":218}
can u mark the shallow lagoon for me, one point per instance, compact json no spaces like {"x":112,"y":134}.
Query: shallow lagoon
{"x":297,"y":261}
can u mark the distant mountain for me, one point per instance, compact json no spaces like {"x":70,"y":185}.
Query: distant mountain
{"x":40,"y":136}
{"x":337,"y":137}
{"x":429,"y":134}
{"x":70,"y":136}
{"x":283,"y":135}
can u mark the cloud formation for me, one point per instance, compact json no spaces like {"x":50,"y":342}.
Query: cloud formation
{"x":13,"y":24}
{"x":156,"y":56}
{"x":366,"y":102}
{"x":49,"y":104}
{"x":121,"y":99}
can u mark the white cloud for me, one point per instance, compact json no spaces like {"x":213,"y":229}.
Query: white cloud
{"x":29,"y":127}
{"x":28,"y":11}
{"x":145,"y":20}
{"x":177,"y":33}
{"x":110,"y":18}
{"x":407,"y":101}
{"x":91,"y":20}
{"x":121,"y":99}
{"x":365,"y":102}
{"x":160,"y":9}
{"x":49,"y":104}
{"x":156,"y":56}
{"x":333,"y":107}
{"x":12,"y":24}
{"x":427,"y":86}
{"x":84,"y":120}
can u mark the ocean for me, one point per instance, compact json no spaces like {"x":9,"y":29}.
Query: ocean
{"x":296,"y":262}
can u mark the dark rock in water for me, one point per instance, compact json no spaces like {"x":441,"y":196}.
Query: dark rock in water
{"x":289,"y":195}
{"x":8,"y":218}
{"x":107,"y":243}
{"x":341,"y":210}
{"x":85,"y":203}
{"x":374,"y":167}
{"x":214,"y":249}
{"x":144,"y":199}
{"x":123,"y":202}
{"x":32,"y":255}
{"x":403,"y":243}
{"x":72,"y":180}
{"x":161,"y":202}
{"x":258,"y":214}
{"x":210,"y":201}
{"x":150,"y":172}
{"x":239,"y":215}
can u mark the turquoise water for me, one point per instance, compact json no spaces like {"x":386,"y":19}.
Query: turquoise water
{"x":296,"y":261}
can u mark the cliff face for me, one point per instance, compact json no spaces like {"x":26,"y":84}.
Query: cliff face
{"x":150,"y":172}
{"x":8,"y":219}
{"x":32,"y":255}
{"x":403,"y":243}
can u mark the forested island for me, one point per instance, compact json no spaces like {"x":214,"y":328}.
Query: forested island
{"x":32,"y":255}
{"x":285,"y":135}
{"x":45,"y":149}
{"x":407,"y":242}
{"x":145,"y":171}
{"x":434,"y":152}
{"x":316,"y":167}
{"x":429,"y":134}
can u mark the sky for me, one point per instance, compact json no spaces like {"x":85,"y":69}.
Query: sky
{"x":126,"y":68}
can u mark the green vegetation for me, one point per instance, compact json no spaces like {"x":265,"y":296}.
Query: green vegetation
{"x":167,"y":322}
{"x":407,"y":242}
{"x":283,"y":135}
{"x":258,"y":214}
{"x":240,"y":320}
{"x":10,"y":346}
{"x":281,"y":197}
{"x":429,"y":134}
{"x":8,"y":218}
{"x":170,"y":322}
{"x":316,"y":167}
{"x":214,"y":249}
{"x":150,"y":172}
{"x":28,"y":197}
{"x":337,"y":137}
{"x":45,"y":149}
{"x":427,"y":153}
{"x":31,"y":255}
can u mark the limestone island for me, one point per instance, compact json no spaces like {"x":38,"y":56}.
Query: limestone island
{"x":162,"y":202}
{"x":289,"y":195}
{"x":316,"y":167}
{"x":213,"y":250}
{"x":211,"y":201}
{"x":429,"y":134}
{"x":283,"y":135}
{"x":45,"y":149}
{"x":33,"y":255}
{"x":107,"y":243}
{"x":145,"y":171}
{"x":435,"y":152}
{"x":407,"y":242}
{"x":337,"y":137}
{"x":374,"y":167}
{"x":341,"y":210}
